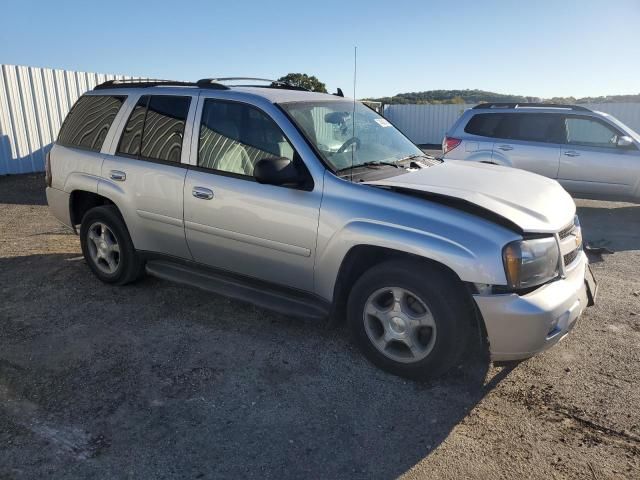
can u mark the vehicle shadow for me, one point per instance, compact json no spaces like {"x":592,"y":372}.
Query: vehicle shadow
{"x":23,"y":189}
{"x":615,"y":226}
{"x":161,"y":380}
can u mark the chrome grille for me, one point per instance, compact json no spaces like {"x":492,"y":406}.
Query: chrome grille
{"x":566,"y":231}
{"x":571,"y":256}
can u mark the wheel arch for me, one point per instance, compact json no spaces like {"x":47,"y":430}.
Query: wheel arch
{"x":362,"y":257}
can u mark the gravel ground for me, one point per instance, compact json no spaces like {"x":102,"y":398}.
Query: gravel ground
{"x":156,"y":380}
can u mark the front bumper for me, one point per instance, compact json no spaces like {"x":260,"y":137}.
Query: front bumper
{"x":519,"y":326}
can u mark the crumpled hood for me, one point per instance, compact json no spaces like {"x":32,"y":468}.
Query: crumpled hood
{"x":532,"y":202}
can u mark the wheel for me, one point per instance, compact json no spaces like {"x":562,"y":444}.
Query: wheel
{"x":107,"y":247}
{"x":410,"y":319}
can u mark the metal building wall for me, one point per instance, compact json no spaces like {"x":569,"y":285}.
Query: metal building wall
{"x":33,"y":104}
{"x":429,"y":123}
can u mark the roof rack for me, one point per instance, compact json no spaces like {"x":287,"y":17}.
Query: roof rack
{"x":204,"y":82}
{"x":151,"y":82}
{"x":530,"y":105}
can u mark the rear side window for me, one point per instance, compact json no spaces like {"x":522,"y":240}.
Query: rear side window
{"x":485,"y":124}
{"x":88,"y":122}
{"x":155,"y":129}
{"x":235,"y":136}
{"x":535,"y":127}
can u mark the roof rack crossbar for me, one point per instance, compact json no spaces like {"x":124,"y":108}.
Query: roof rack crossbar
{"x":271,"y":83}
{"x":150,"y":82}
{"x":530,"y":105}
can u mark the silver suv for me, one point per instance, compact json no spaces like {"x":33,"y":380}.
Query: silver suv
{"x":592,"y":154}
{"x":314,"y":205}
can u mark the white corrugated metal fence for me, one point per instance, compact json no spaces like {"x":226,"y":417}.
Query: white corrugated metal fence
{"x":428,"y":123}
{"x":33,"y":104}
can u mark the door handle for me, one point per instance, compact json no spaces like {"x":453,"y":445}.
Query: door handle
{"x":506,"y":148}
{"x":118,"y":175}
{"x":202,"y":193}
{"x":572,"y":153}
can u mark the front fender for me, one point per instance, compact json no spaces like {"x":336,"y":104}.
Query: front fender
{"x":465,"y":263}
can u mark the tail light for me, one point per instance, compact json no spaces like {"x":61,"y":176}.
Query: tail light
{"x":47,"y":168}
{"x":449,"y":143}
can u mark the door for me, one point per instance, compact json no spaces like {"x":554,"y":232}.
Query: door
{"x":593,"y":164}
{"x":147,"y":174}
{"x":530,"y":141}
{"x":236,"y":224}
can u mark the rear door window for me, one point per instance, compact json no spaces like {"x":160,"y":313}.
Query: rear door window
{"x":88,"y":122}
{"x":535,"y":127}
{"x":485,"y":124}
{"x":155,"y":128}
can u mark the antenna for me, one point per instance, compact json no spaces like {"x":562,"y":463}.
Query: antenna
{"x":353,"y":114}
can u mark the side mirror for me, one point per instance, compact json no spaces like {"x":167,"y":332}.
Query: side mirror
{"x":276,"y":171}
{"x":624,"y":141}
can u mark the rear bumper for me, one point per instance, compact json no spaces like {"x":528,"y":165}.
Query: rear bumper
{"x":58,"y":201}
{"x":521,"y":326}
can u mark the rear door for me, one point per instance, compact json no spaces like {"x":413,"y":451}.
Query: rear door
{"x":530,"y":141}
{"x":147,"y":170}
{"x":236,"y":224}
{"x":592,"y":163}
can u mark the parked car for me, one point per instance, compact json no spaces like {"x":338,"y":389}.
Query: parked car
{"x":242,"y":191}
{"x":591,"y":154}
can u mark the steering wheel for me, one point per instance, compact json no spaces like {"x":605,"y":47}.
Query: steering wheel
{"x":348,"y":143}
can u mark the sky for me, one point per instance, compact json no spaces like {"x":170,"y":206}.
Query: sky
{"x":538,"y":48}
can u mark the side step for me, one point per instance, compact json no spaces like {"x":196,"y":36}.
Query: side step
{"x":262,"y":294}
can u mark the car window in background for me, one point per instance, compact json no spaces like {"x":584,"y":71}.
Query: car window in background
{"x":591,"y":133}
{"x":89,"y":121}
{"x":329,"y":126}
{"x":235,"y":136}
{"x":536,"y":127}
{"x":484,"y":124}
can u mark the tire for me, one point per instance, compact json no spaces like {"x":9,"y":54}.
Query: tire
{"x":116,"y":267}
{"x":429,"y":297}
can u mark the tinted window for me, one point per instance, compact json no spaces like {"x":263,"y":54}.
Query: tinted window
{"x":88,"y":122}
{"x":164,"y":127}
{"x":535,"y":127}
{"x":235,"y":136}
{"x":484,"y":124}
{"x":155,"y":128}
{"x":592,"y":133}
{"x":131,"y":138}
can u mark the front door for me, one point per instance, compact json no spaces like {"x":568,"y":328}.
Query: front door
{"x":592,"y":164}
{"x":236,"y":224}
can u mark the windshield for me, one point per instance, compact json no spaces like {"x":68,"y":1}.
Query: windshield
{"x":330,"y":127}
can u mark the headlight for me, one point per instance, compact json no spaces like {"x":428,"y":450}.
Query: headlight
{"x":528,"y":263}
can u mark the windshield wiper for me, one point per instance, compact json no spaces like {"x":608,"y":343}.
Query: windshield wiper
{"x":370,"y":164}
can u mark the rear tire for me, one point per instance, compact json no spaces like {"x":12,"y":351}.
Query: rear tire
{"x":107,"y":246}
{"x":410,"y":319}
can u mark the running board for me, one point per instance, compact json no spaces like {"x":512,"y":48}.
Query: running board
{"x":262,"y":294}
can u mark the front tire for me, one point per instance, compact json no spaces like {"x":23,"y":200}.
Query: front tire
{"x":411,"y":319}
{"x":107,"y":246}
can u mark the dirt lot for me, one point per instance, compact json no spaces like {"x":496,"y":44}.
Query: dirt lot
{"x":157,"y":380}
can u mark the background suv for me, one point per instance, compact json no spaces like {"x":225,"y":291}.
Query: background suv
{"x":312,"y":204}
{"x":592,"y":154}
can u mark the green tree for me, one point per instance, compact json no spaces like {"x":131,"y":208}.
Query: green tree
{"x":305,"y":81}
